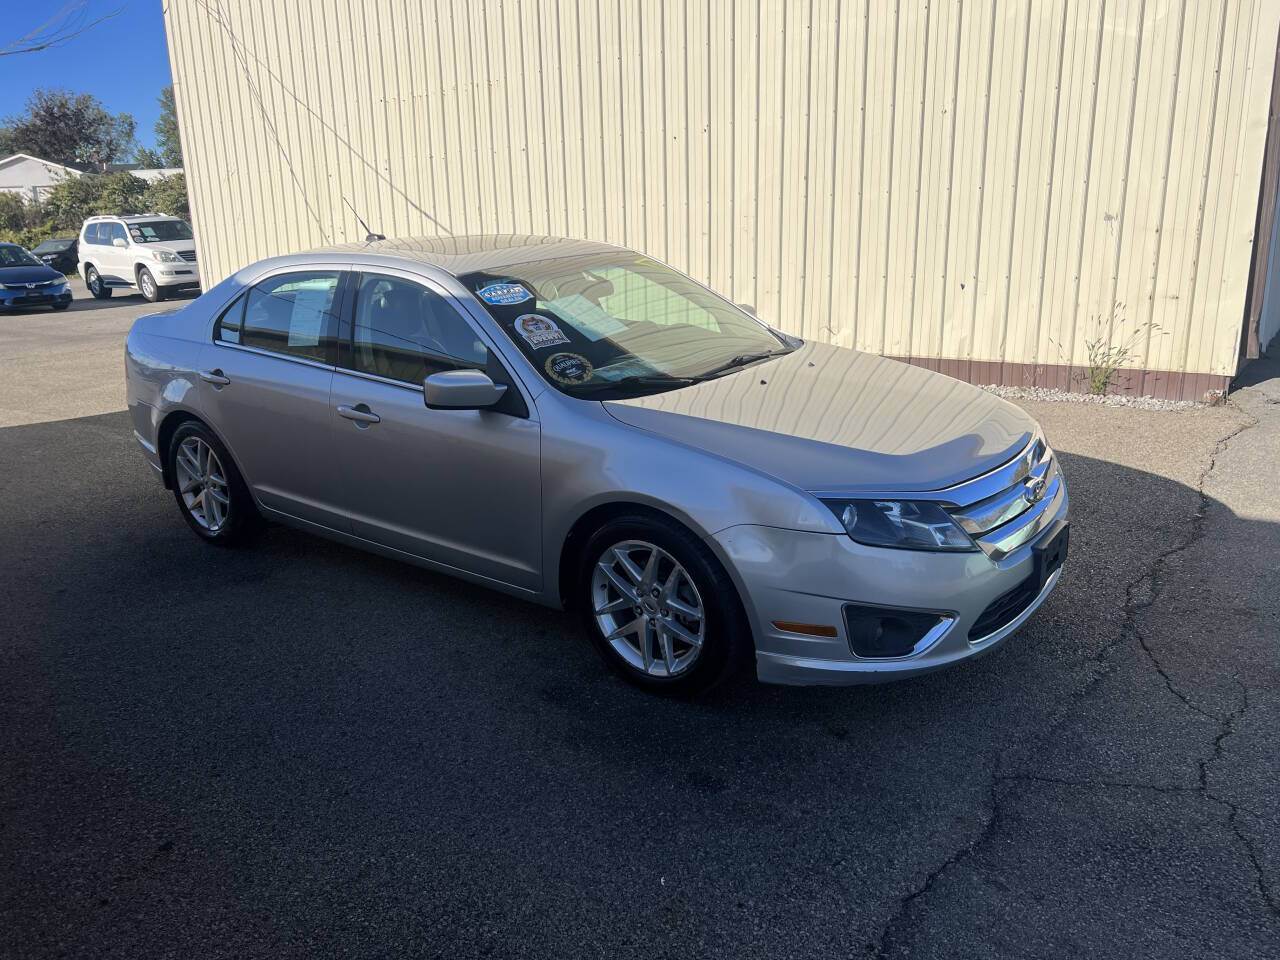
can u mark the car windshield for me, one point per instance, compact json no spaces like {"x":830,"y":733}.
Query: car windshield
{"x":53,"y":246}
{"x":12,"y":255}
{"x":151,"y":231}
{"x":615,"y":324}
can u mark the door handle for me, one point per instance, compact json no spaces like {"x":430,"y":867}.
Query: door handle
{"x":360,"y":413}
{"x":215,"y":377}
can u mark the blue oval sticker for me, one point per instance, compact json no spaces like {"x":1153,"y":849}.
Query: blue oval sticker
{"x":504,"y":294}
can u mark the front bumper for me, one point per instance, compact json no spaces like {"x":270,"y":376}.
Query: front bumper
{"x":174,"y":276}
{"x":25,"y":299}
{"x":790,"y":577}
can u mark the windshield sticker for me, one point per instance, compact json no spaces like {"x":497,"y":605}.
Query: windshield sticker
{"x":539,"y":332}
{"x":569,"y":368}
{"x":504,"y":294}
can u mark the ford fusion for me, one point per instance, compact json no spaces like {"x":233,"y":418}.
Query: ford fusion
{"x":582,"y":426}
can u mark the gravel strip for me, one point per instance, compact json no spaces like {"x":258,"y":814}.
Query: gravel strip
{"x":1108,"y":400}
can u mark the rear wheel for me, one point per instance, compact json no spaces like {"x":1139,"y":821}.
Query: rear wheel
{"x":211,"y":494}
{"x":147,"y":284}
{"x":93,"y":281}
{"x":660,"y":608}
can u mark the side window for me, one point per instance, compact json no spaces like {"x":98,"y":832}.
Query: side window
{"x":403,"y":331}
{"x":91,"y":233}
{"x":227,"y":328}
{"x":293,"y":313}
{"x":117,"y":233}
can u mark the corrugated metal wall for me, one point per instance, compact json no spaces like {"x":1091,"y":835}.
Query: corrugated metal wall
{"x":993,"y":182}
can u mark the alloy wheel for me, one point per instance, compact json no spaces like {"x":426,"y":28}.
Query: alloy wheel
{"x":648,"y":608}
{"x":148,"y":286}
{"x":202,"y":483}
{"x":95,"y":282}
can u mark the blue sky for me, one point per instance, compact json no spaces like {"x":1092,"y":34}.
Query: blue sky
{"x":123,"y":62}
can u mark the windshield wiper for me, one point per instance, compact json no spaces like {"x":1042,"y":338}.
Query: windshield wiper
{"x":639,"y":379}
{"x":741,"y":360}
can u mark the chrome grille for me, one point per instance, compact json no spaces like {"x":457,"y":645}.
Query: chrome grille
{"x":1030,"y":488}
{"x":188,"y":255}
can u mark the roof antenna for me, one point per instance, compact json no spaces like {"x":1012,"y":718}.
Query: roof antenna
{"x":370,"y":236}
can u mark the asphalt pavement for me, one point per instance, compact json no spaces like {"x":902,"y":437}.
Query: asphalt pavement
{"x":300,"y":750}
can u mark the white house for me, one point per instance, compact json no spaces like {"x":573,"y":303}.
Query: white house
{"x":32,"y":177}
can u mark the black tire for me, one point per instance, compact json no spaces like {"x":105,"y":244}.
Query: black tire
{"x":93,"y":280}
{"x":147,"y":281}
{"x":242,"y":519}
{"x":726,"y":645}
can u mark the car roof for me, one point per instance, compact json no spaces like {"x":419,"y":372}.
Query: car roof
{"x":489,"y":252}
{"x":130,"y":217}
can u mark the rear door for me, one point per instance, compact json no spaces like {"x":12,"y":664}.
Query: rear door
{"x":266,"y":382}
{"x":458,"y":487}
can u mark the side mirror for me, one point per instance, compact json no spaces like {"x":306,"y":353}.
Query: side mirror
{"x":120,"y":242}
{"x":461,"y":390}
{"x":747,"y":307}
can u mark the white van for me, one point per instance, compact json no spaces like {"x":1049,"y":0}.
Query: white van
{"x":149,"y":252}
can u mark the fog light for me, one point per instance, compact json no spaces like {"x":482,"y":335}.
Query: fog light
{"x":878,"y":632}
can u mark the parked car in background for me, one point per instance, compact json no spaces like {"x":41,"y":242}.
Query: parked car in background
{"x":583,"y":426}
{"x":61,"y":253}
{"x":26,"y":282}
{"x":150,"y":253}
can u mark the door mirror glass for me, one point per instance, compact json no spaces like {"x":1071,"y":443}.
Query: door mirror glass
{"x":120,"y":242}
{"x":461,"y":390}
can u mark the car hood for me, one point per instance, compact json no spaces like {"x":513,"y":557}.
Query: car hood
{"x":34,"y":274}
{"x":837,"y":420}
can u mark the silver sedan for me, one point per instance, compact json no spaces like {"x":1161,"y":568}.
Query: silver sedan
{"x":585,"y":427}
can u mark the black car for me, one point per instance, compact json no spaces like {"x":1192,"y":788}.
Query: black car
{"x":26,"y":282}
{"x":61,"y":253}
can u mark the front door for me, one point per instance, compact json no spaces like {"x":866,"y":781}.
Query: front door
{"x":458,"y":487}
{"x":266,"y":378}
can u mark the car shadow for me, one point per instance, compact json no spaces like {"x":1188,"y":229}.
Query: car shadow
{"x":84,"y":301}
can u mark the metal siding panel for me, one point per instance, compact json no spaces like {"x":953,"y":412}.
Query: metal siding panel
{"x":974,"y":180}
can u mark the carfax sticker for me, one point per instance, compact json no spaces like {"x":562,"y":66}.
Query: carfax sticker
{"x":539,"y":332}
{"x":504,"y":294}
{"x":569,"y":368}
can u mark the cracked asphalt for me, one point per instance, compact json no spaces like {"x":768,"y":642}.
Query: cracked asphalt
{"x":302,"y":750}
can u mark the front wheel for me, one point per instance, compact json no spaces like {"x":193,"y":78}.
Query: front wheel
{"x":660,"y":608}
{"x":147,"y":284}
{"x":93,"y":281}
{"x":211,"y":494}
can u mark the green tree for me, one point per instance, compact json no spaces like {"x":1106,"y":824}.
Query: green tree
{"x":67,"y":128}
{"x":168,"y":145}
{"x":169,"y":195}
{"x":77,"y":198}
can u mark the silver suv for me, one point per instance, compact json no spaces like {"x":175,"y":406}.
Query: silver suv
{"x":149,"y":252}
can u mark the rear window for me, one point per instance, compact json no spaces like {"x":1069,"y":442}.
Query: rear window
{"x":91,"y":233}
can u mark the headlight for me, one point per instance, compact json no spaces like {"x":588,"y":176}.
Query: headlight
{"x":165,"y":256}
{"x":904,"y":524}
